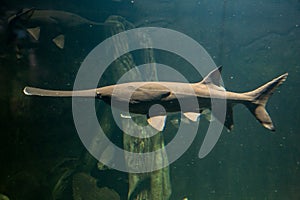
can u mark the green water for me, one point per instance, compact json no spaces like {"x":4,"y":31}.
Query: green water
{"x":255,"y":41}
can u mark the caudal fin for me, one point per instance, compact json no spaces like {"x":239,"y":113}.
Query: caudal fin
{"x":260,"y":97}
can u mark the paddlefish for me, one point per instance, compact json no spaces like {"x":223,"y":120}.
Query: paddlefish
{"x":144,"y":95}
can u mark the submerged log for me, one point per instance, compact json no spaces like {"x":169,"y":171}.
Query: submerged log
{"x":150,"y":185}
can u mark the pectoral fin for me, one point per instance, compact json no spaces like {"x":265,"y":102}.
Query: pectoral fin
{"x":34,"y":32}
{"x":192,"y":116}
{"x":59,"y":41}
{"x":158,"y":122}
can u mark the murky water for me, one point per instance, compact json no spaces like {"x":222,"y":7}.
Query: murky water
{"x":255,"y":41}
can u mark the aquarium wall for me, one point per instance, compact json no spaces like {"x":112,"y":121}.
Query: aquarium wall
{"x":45,"y":43}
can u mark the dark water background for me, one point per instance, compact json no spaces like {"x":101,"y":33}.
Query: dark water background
{"x":255,"y":41}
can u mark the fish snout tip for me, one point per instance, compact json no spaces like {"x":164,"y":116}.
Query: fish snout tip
{"x":25,"y":91}
{"x":283,"y":77}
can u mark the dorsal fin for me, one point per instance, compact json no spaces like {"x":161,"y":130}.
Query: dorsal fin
{"x":26,"y":13}
{"x":213,"y":77}
{"x":22,"y":14}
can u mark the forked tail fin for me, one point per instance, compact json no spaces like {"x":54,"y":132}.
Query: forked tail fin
{"x":260,"y":97}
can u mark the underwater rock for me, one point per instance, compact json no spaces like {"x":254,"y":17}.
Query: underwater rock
{"x":85,"y":188}
{"x":61,"y":184}
{"x":3,"y":197}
